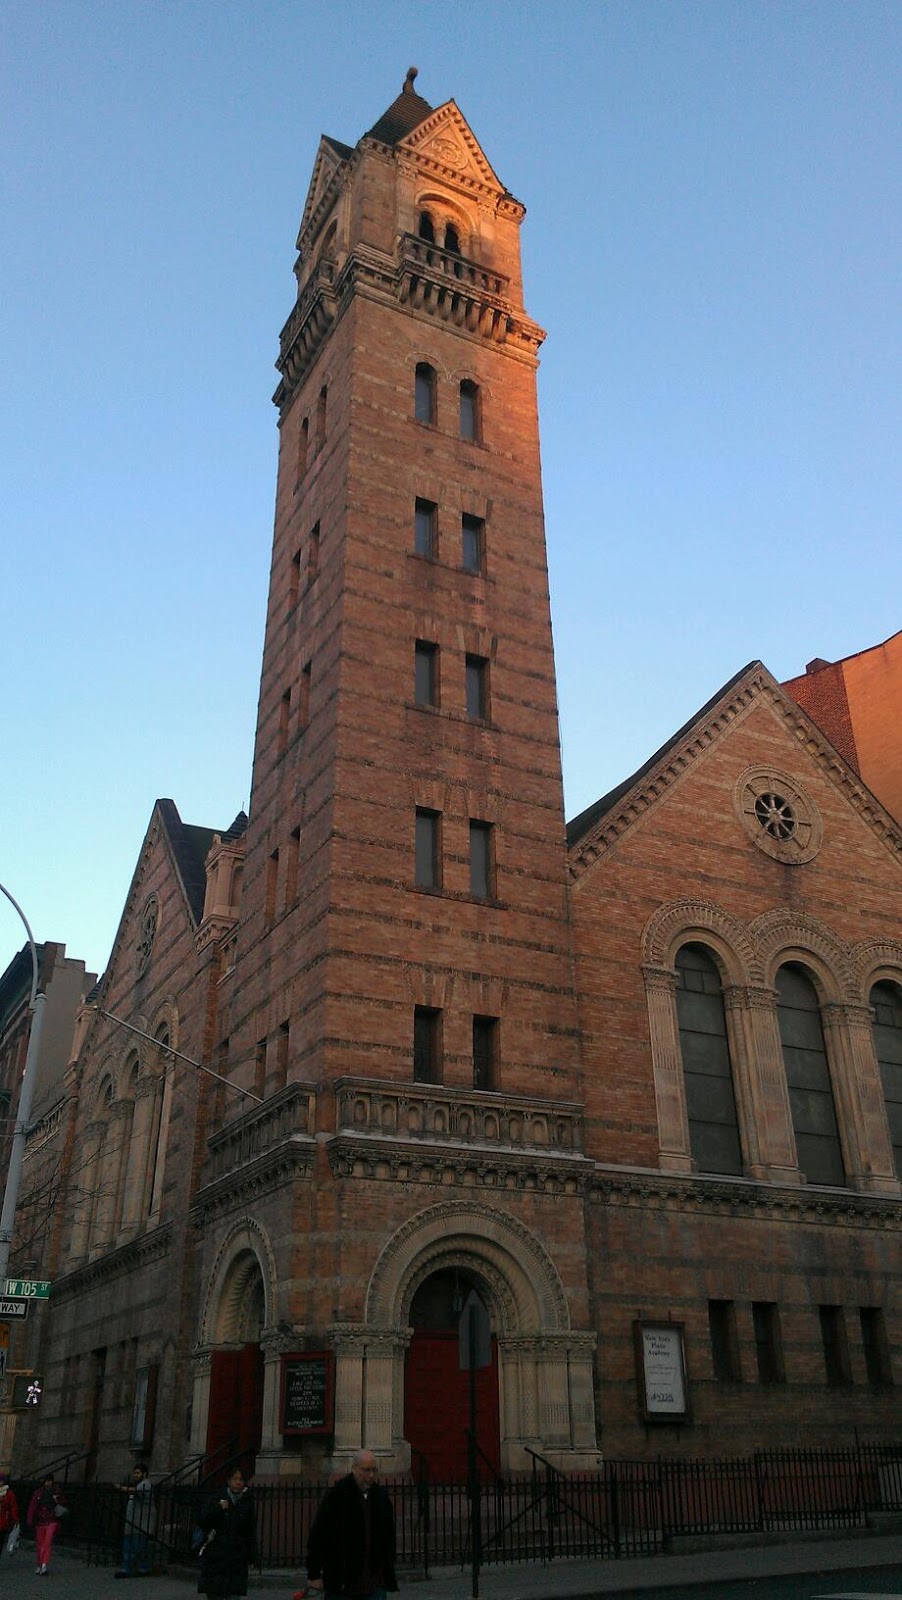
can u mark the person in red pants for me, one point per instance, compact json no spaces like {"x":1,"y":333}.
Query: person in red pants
{"x":44,"y":1517}
{"x":9,"y":1510}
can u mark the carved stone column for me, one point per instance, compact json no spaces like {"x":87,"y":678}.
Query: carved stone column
{"x":79,"y":1240}
{"x":378,"y":1421}
{"x":112,"y":1159}
{"x":274,"y":1342}
{"x":349,"y":1344}
{"x":132,"y":1205}
{"x":858,"y":1089}
{"x":667,"y":1066}
{"x":566,"y":1410}
{"x":369,"y":1395}
{"x":518,"y":1382}
{"x":740,"y":1037}
{"x":777,"y":1144}
{"x":201,"y":1366}
{"x":581,"y":1357}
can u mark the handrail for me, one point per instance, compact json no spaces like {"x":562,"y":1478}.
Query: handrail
{"x":496,"y":1475}
{"x":178,"y":1474}
{"x":548,"y":1465}
{"x":64,"y":1461}
{"x":231,"y":1456}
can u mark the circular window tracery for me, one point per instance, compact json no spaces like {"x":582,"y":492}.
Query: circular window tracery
{"x":775,"y":815}
{"x":778,"y":815}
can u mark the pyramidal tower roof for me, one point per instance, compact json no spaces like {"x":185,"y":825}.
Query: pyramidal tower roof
{"x":403,"y":115}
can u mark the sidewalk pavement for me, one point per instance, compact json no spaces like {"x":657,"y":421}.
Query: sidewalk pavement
{"x":565,"y":1580}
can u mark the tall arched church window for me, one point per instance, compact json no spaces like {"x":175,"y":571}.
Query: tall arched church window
{"x":886,"y":999}
{"x":811,"y":1102}
{"x":424,"y":393}
{"x":425,"y":228}
{"x":469,"y":410}
{"x":707,"y":1071}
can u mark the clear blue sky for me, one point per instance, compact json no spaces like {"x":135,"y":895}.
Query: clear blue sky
{"x":712,"y":242}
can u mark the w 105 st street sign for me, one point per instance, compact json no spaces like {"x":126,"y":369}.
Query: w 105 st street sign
{"x":27,"y":1289}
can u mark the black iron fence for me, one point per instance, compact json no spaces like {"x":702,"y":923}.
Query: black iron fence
{"x":626,"y":1508}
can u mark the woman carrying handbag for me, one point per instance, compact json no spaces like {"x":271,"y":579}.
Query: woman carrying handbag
{"x":45,"y":1509}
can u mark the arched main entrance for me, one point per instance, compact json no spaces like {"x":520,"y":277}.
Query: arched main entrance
{"x":540,"y":1379}
{"x":437,"y":1392}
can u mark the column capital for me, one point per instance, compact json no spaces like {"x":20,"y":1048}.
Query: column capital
{"x":659,"y":978}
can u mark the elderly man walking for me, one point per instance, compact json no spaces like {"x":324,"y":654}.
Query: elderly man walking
{"x":351,"y":1549}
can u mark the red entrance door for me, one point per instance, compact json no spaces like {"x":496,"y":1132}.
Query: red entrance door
{"x":437,"y":1406}
{"x":236,"y":1406}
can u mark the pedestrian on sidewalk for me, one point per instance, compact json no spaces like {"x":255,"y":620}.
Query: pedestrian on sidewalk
{"x":351,"y":1549}
{"x":229,"y":1524}
{"x":9,"y":1511}
{"x":136,"y":1530}
{"x":45,"y":1509}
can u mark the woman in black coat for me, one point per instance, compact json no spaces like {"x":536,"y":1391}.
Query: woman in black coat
{"x":230,"y":1525}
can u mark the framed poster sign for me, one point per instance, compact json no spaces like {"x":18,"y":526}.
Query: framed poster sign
{"x":661,"y":1371}
{"x":308,"y":1381}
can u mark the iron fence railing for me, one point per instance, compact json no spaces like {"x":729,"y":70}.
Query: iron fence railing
{"x":626,"y":1508}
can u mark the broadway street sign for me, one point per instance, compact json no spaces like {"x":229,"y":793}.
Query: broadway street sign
{"x":13,"y":1308}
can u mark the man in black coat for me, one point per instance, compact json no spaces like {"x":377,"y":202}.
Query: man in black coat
{"x":351,"y":1549}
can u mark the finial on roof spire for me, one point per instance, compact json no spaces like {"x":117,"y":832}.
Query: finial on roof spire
{"x":408,"y":81}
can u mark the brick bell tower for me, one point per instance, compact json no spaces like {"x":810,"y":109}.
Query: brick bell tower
{"x":402,"y":979}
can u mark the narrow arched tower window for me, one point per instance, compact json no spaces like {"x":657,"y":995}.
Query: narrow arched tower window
{"x":425,"y":228}
{"x":886,"y":1000}
{"x":452,"y":239}
{"x":707,"y":1070}
{"x":424,"y":393}
{"x":469,"y":410}
{"x":814,"y":1123}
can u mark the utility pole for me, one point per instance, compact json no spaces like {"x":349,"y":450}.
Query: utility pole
{"x":26,"y":1094}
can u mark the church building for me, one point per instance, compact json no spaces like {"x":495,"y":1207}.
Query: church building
{"x":634,"y":1083}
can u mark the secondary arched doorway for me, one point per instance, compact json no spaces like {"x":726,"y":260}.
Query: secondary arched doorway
{"x":235,"y":1415}
{"x":437,"y":1392}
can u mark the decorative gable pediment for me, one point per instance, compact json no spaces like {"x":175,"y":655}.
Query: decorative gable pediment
{"x":757,"y":800}
{"x":328,"y":160}
{"x":444,"y":146}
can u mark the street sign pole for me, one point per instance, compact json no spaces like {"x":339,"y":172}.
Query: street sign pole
{"x":475,"y":1507}
{"x":26,"y":1092}
{"x":474,"y":1344}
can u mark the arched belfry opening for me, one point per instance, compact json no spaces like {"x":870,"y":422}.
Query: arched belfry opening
{"x":437,"y":1391}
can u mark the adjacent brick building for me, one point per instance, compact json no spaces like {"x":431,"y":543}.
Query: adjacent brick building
{"x":855,"y":702}
{"x":636,"y":1084}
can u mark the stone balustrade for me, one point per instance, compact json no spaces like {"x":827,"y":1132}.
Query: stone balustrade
{"x":423,"y":256}
{"x":287,"y":1119}
{"x":436,"y":1113}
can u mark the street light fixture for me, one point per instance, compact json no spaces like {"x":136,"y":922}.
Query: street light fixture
{"x":26,"y":1094}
